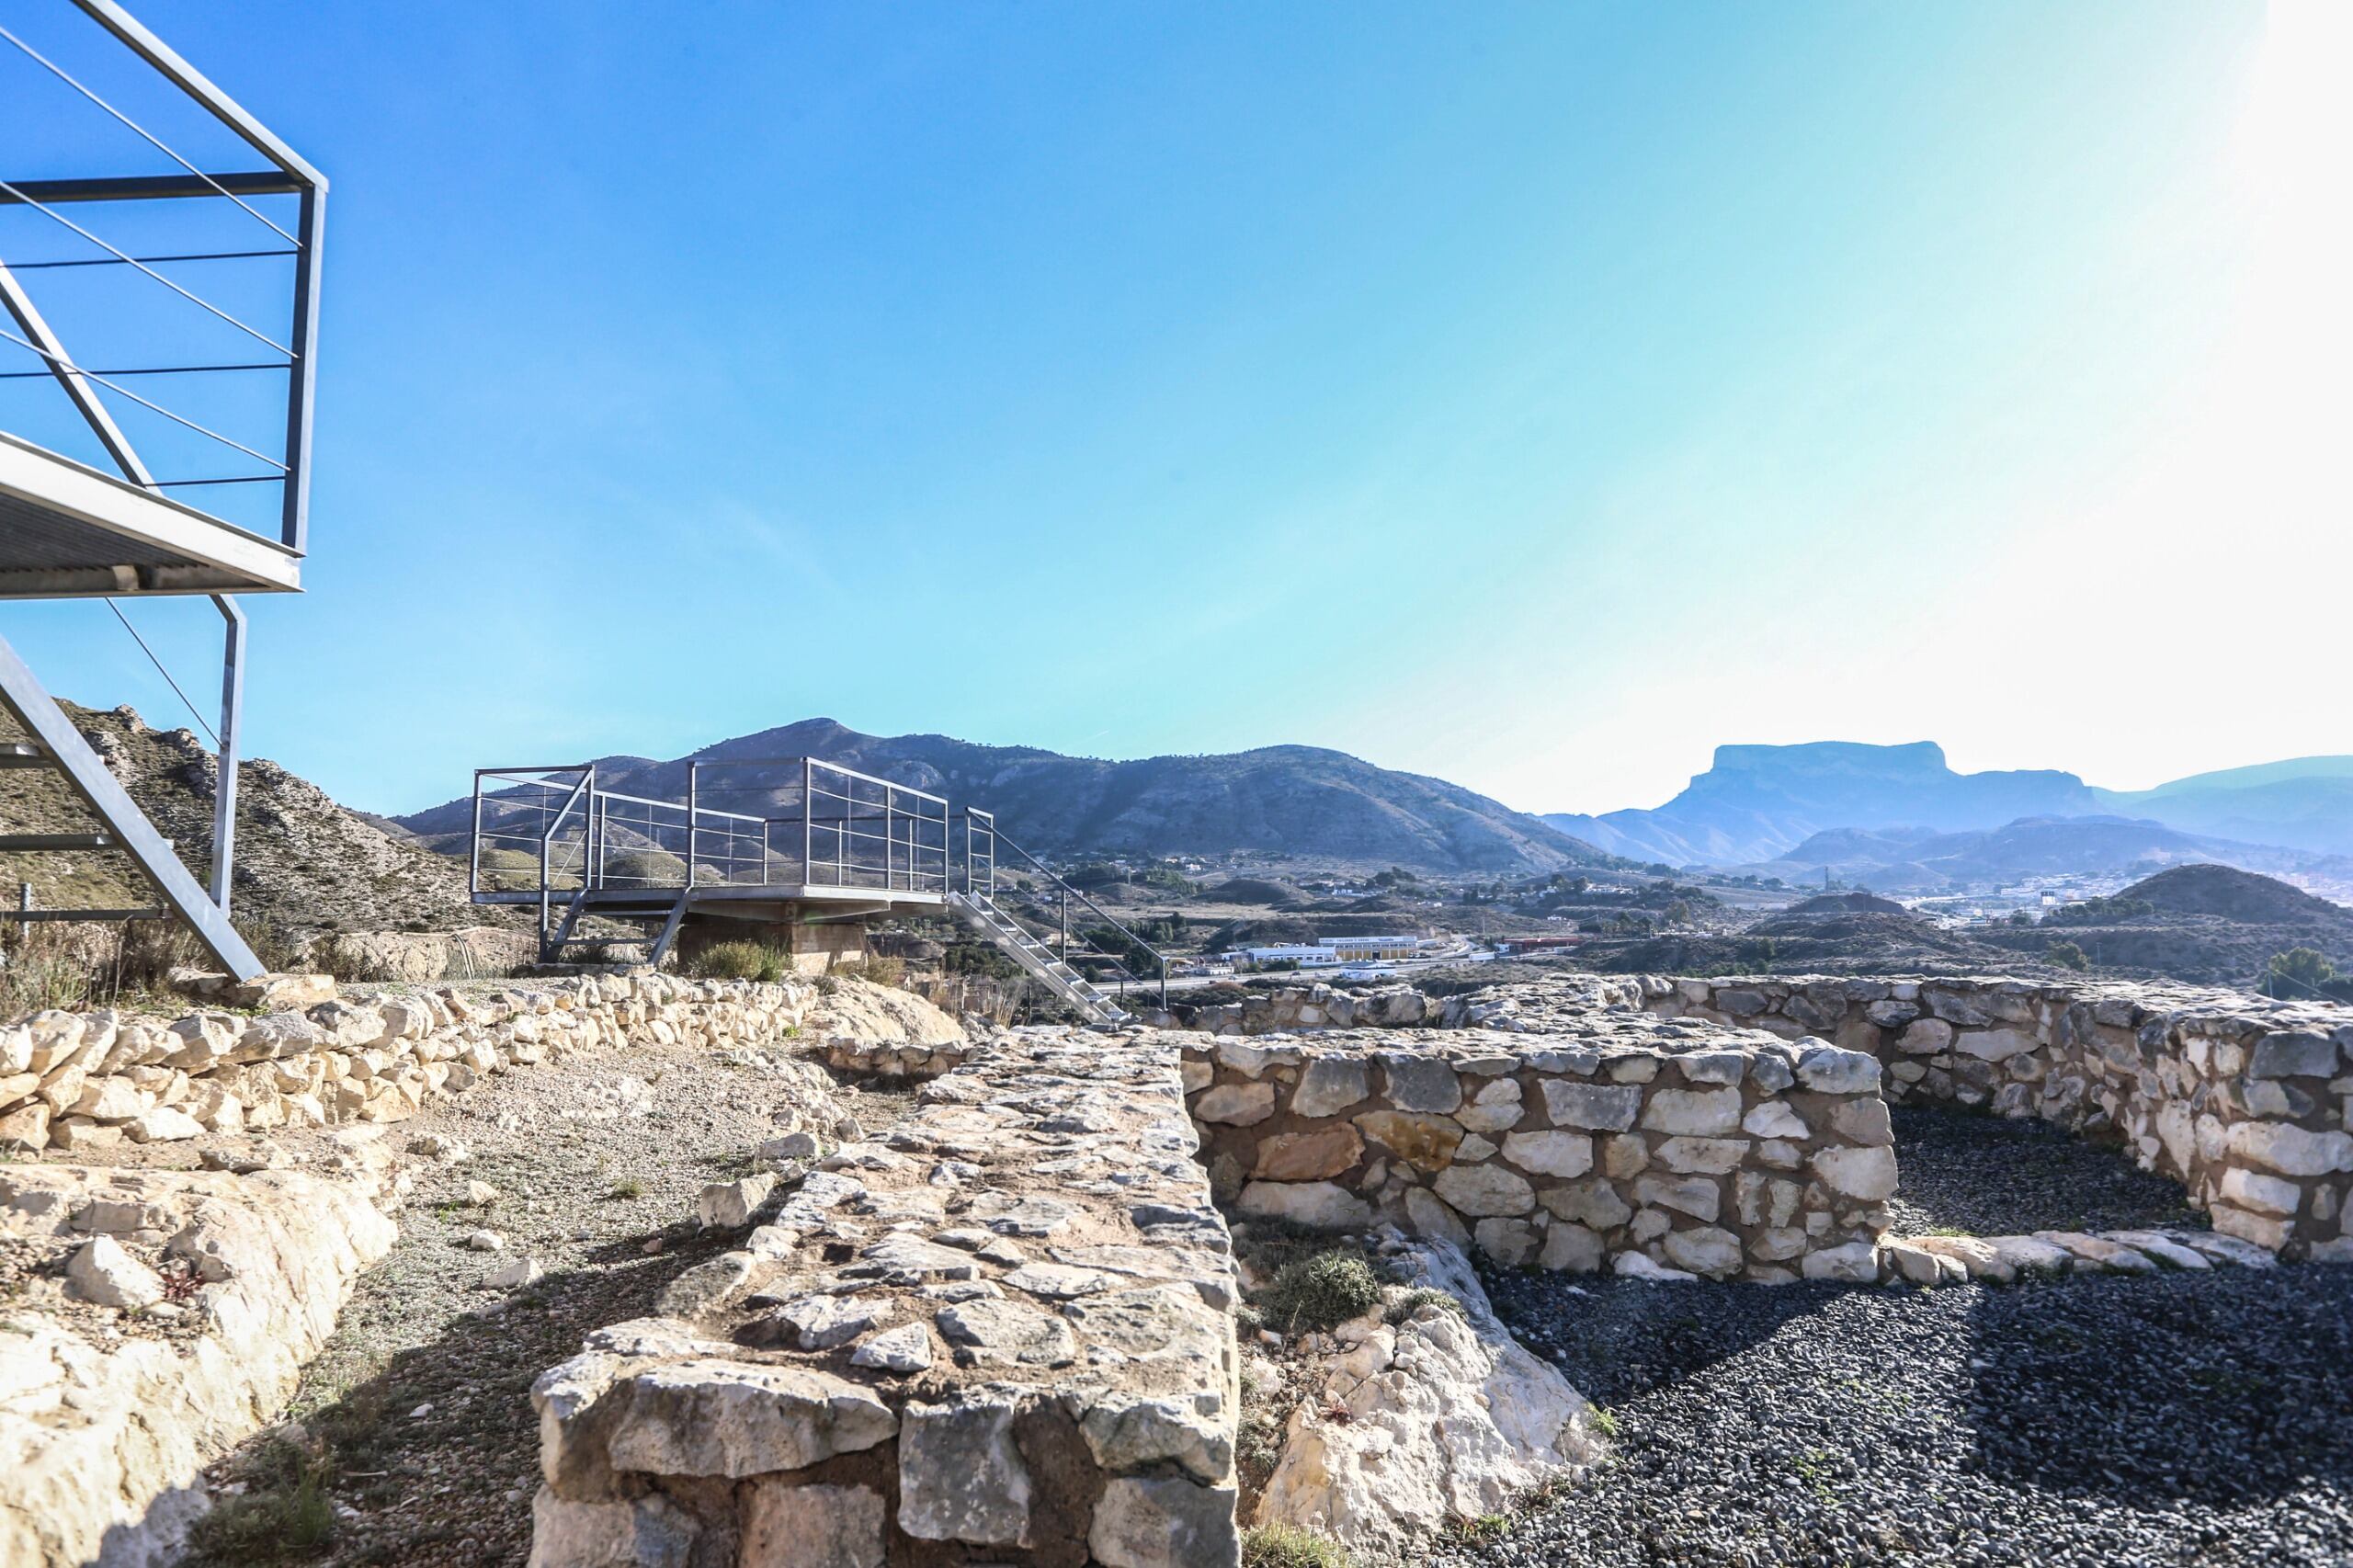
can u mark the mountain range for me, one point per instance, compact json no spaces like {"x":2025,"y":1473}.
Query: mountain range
{"x":1758,"y":805}
{"x":1304,"y":802}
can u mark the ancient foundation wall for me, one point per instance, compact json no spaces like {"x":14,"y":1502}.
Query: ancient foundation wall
{"x":1289,"y":1009}
{"x":1627,"y":1144}
{"x":76,"y":1081}
{"x":2247,"y":1104}
{"x":1002,"y":1333}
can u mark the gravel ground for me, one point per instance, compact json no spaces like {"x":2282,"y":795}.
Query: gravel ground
{"x":420,"y":1402}
{"x":2185,"y":1418}
{"x":1990,"y":1175}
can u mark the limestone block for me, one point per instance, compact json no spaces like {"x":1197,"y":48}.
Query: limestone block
{"x":1427,"y":1142}
{"x":1704,"y":1249}
{"x":1481,"y":1190}
{"x":1308,"y":1156}
{"x":789,"y":1524}
{"x":1597,"y":1108}
{"x":1319,"y":1204}
{"x":1418,"y":1082}
{"x":1554,"y":1153}
{"x":1701,"y":1111}
{"x":719,"y":1418}
{"x":1868,"y":1174}
{"x":960,"y":1475}
{"x":1329,"y":1085}
{"x":1145,"y":1523}
{"x":1236,"y":1105}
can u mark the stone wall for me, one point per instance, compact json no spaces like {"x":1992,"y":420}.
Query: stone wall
{"x":1003,"y":1332}
{"x":83,"y":1081}
{"x":1290,"y":1009}
{"x":2247,"y":1103}
{"x":190,"y":1302}
{"x":1628,"y":1143}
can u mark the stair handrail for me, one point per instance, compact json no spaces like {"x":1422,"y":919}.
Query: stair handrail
{"x":1068,"y":892}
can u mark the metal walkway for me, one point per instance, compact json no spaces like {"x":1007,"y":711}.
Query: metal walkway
{"x":786,"y":839}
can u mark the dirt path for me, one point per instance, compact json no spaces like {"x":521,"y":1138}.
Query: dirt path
{"x":413,"y":1438}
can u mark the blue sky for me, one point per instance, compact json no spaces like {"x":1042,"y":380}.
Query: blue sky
{"x":1536,"y":396}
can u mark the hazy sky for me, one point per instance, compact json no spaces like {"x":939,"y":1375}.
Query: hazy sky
{"x":1533,"y":396}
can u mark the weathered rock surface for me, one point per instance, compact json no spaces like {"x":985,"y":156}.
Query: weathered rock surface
{"x":1439,"y":1418}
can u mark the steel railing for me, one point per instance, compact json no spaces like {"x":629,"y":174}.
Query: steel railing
{"x":1043,"y":907}
{"x":546,"y":831}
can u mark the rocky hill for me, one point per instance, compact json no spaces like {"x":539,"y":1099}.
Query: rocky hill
{"x":2214,"y":925}
{"x":305,"y":865}
{"x":1302,"y":802}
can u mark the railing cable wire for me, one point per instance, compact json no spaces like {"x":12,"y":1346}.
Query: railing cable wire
{"x":52,"y":213}
{"x":153,"y":141}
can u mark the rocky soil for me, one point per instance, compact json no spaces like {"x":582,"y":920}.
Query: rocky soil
{"x":417,"y":1414}
{"x":1988,"y":1176}
{"x":304,"y":864}
{"x":2202,"y":1418}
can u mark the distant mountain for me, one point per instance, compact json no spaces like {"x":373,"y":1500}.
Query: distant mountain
{"x":1914,"y":860}
{"x":1301,"y":801}
{"x":1755,"y":802}
{"x":2304,"y":803}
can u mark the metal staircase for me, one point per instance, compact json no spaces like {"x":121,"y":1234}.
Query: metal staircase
{"x":1054,"y":961}
{"x":1039,"y":961}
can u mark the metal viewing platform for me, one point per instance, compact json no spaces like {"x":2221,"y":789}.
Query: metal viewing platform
{"x":789,"y":842}
{"x":158,"y":317}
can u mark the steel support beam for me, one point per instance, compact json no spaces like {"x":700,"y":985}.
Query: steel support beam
{"x":37,"y":711}
{"x":295,"y":521}
{"x":148,"y":188}
{"x":225,"y":788}
{"x":194,"y":82}
{"x":76,"y":385}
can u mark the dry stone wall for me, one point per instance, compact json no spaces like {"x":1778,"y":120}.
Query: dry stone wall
{"x":2248,"y":1104}
{"x":1291,"y":1009}
{"x":92,"y":1081}
{"x":1003,"y":1332}
{"x":1648,"y":1147}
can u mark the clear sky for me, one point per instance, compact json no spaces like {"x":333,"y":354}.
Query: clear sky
{"x":1536,"y":396}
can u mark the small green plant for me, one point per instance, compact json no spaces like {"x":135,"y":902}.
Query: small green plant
{"x":1321,"y":1292}
{"x":1414,"y":1301}
{"x":1485,"y":1527}
{"x":740,"y":960}
{"x":2067,"y":954}
{"x":1289,"y":1545}
{"x":625,"y":1190}
{"x":1604,"y":1421}
{"x":873,"y":971}
{"x":284,"y":1513}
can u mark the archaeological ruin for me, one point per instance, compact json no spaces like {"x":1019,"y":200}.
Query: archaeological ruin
{"x":1008,"y":1325}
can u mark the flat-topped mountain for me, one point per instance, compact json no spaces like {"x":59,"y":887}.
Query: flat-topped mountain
{"x":1304,"y":802}
{"x":1758,"y":801}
